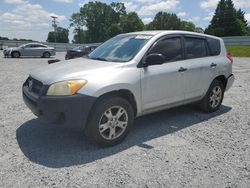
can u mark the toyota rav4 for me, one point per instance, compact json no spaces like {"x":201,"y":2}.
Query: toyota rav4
{"x":128,"y":76}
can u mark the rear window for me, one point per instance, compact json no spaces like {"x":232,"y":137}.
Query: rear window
{"x":214,"y":46}
{"x":195,"y":47}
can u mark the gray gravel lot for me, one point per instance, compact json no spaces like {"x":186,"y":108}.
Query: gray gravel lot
{"x":181,"y":147}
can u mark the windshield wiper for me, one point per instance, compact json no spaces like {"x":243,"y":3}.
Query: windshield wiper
{"x":99,"y":58}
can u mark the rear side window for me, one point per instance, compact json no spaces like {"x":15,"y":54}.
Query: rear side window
{"x":214,"y":46}
{"x":195,"y":47}
{"x":170,"y":48}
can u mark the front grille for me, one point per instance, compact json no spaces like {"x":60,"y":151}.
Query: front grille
{"x":34,"y":85}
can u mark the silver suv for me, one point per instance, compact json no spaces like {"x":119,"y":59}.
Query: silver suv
{"x":128,"y":76}
{"x":30,"y":49}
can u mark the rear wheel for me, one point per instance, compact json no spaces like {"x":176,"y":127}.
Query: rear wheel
{"x":46,"y":55}
{"x":110,"y":121}
{"x":214,"y":97}
{"x":15,"y":54}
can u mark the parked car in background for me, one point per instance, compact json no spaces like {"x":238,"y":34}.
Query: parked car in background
{"x":30,"y":49}
{"x":129,"y":76}
{"x":80,"y":51}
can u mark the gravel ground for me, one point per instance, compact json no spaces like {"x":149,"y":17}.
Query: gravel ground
{"x":181,"y":147}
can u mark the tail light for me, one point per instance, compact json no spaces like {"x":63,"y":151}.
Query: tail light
{"x":230,"y":57}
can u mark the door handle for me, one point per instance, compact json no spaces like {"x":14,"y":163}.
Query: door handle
{"x":182,"y":69}
{"x":213,"y":65}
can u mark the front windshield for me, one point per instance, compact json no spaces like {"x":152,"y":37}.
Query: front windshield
{"x":22,"y":46}
{"x":121,"y":48}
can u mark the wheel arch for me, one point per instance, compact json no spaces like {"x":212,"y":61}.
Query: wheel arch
{"x":46,"y":52}
{"x":16,"y":52}
{"x":223,"y":79}
{"x":125,"y":94}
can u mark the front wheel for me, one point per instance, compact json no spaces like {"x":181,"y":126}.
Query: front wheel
{"x":15,"y":55}
{"x":46,"y":55}
{"x":213,"y":98}
{"x":110,"y":121}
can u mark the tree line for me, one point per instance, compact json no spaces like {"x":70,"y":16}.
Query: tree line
{"x":97,"y":22}
{"x":102,"y":21}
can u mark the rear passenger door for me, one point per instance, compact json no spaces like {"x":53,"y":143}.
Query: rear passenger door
{"x":199,"y":73}
{"x":40,"y":49}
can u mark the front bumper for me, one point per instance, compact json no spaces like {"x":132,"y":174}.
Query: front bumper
{"x":6,"y":53}
{"x":230,"y":81}
{"x":71,"y":111}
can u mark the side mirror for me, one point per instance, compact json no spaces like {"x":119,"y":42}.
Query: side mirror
{"x":154,"y":59}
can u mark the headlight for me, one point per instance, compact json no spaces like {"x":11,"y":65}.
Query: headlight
{"x":66,"y":87}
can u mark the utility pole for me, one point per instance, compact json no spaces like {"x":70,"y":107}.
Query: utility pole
{"x":54,"y":24}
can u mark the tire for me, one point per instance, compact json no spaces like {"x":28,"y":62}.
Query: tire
{"x":104,"y":126}
{"x":15,"y":54}
{"x":213,"y":98}
{"x":46,"y":55}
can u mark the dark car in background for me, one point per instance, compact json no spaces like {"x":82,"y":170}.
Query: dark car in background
{"x":80,"y":51}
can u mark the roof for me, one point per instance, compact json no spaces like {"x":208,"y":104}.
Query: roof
{"x":156,"y":32}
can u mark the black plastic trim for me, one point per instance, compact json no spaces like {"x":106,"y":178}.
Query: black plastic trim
{"x":71,"y":111}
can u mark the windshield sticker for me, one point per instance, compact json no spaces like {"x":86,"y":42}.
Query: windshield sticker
{"x":143,"y":37}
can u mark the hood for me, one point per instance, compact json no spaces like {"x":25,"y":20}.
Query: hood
{"x":10,"y":48}
{"x":78,"y":68}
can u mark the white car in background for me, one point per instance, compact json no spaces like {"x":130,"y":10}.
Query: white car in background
{"x":30,"y":49}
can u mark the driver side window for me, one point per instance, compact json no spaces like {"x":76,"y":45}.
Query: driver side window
{"x":27,"y":46}
{"x":170,"y":48}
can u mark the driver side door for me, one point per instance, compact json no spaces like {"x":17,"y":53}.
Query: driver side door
{"x":164,"y":84}
{"x":27,"y":50}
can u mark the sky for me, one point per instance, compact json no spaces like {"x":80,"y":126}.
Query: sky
{"x":31,"y":19}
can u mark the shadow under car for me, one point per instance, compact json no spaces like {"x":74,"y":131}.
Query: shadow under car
{"x":54,"y":147}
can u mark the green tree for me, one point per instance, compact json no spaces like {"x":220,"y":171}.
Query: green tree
{"x":98,"y":17}
{"x":61,"y":35}
{"x":77,"y":22}
{"x":131,"y":22}
{"x":164,"y":21}
{"x":114,"y":30}
{"x":80,"y":36}
{"x":199,"y":30}
{"x":227,"y":21}
{"x":187,"y":26}
{"x":241,"y":16}
{"x":4,"y":38}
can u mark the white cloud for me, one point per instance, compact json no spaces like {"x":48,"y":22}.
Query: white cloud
{"x":209,"y":4}
{"x":209,"y":17}
{"x":181,"y":14}
{"x":15,"y":1}
{"x":83,"y":2}
{"x":25,"y":12}
{"x":193,"y":19}
{"x":130,"y":6}
{"x":147,"y":20}
{"x":26,"y":20}
{"x":64,"y":1}
{"x":247,"y":16}
{"x":154,"y":6}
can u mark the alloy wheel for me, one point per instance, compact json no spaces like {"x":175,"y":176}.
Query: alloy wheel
{"x":215,"y":97}
{"x":113,"y":122}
